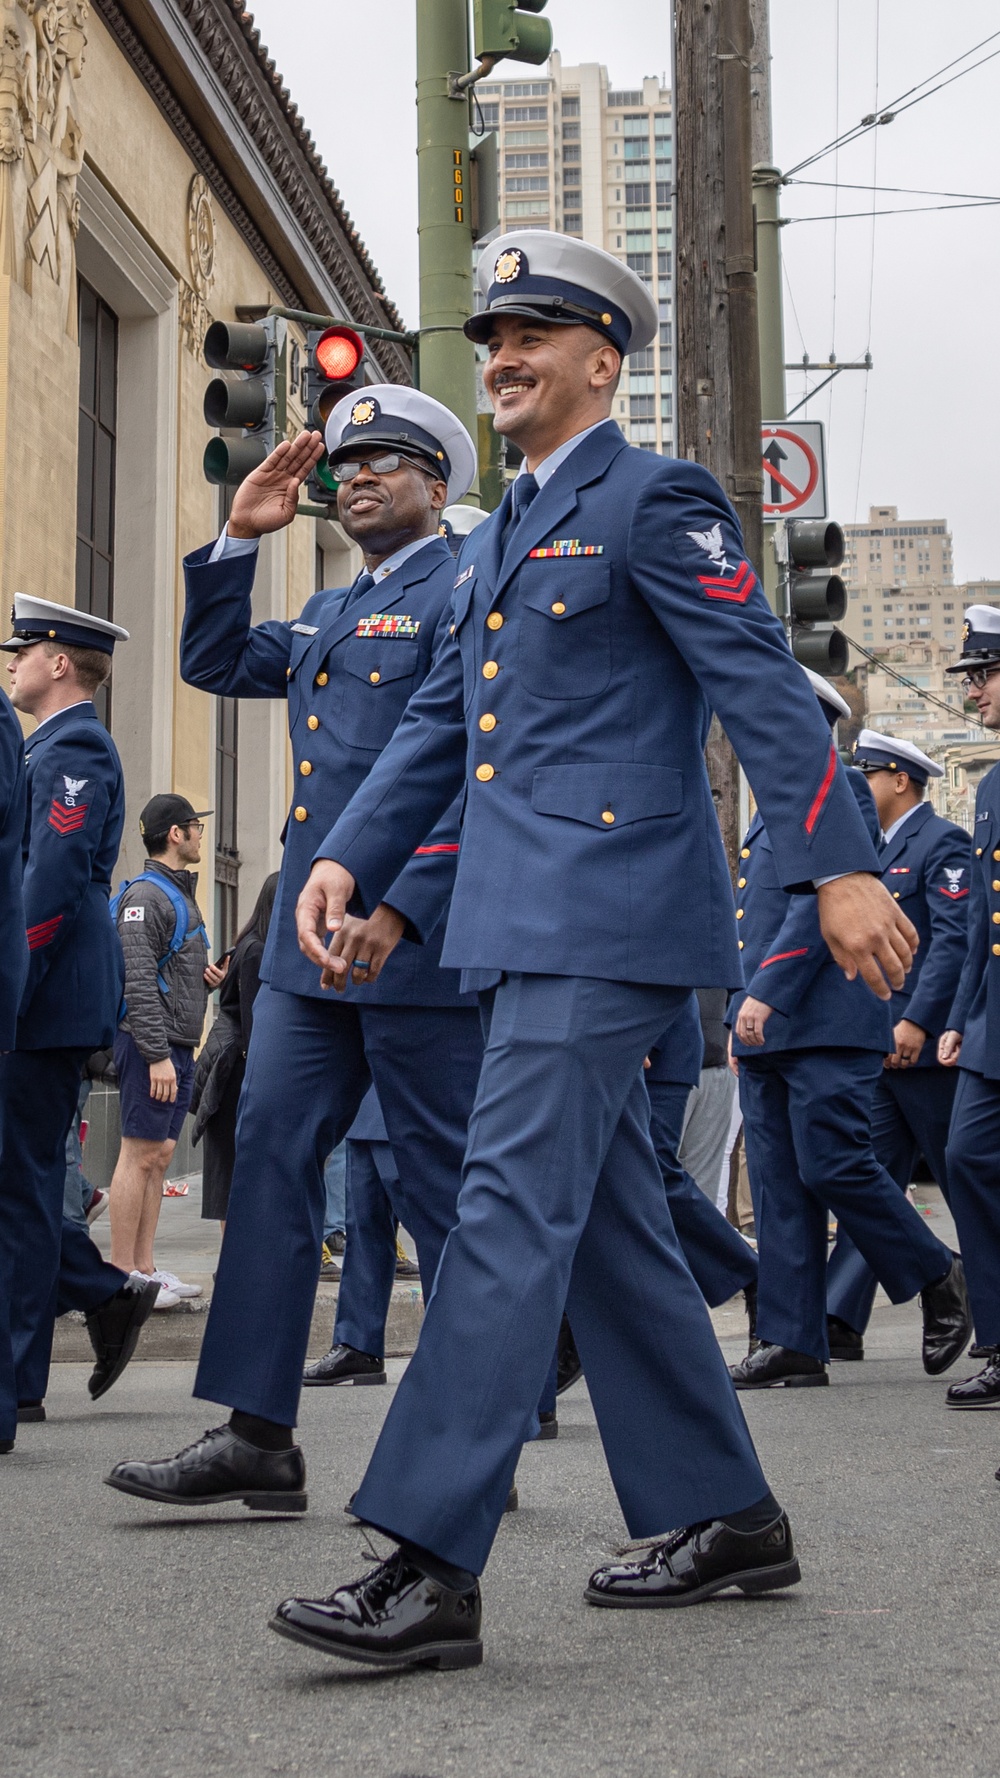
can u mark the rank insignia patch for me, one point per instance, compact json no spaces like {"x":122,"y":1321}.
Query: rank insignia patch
{"x":390,"y":626}
{"x":67,"y":820}
{"x":736,"y":587}
{"x":567,"y":546}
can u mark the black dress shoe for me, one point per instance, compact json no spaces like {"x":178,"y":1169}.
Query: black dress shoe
{"x":343,"y":1365}
{"x":777,"y":1367}
{"x":6,"y":1446}
{"x":392,"y":1618}
{"x":847,"y":1346}
{"x":978,"y":1351}
{"x":569,"y":1370}
{"x":548,"y":1426}
{"x":692,"y":1564}
{"x":980,"y":1391}
{"x":220,"y":1466}
{"x":30,"y":1411}
{"x":114,"y":1329}
{"x":947,"y":1319}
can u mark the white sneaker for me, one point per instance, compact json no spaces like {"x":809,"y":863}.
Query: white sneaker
{"x":167,"y":1299}
{"x":177,"y":1287}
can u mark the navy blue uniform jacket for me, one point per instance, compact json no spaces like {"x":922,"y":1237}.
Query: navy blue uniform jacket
{"x":926,"y":867}
{"x":976,"y":1011}
{"x":571,"y":707}
{"x":72,"y":832}
{"x":788,"y":964}
{"x":13,"y":944}
{"x":347,"y":676}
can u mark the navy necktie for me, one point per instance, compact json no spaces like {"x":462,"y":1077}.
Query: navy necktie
{"x":361,"y":588}
{"x":524,"y":489}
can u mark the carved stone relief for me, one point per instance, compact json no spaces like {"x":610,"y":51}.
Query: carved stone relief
{"x":42,"y":49}
{"x":194,"y":310}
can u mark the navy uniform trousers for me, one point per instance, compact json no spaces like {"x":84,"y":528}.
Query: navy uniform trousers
{"x":369,"y":1269}
{"x":51,"y":1264}
{"x":911,"y":1114}
{"x":721,"y":1262}
{"x":974,"y":1184}
{"x":562,"y":1206}
{"x":309,"y":1066}
{"x":806,"y":1119}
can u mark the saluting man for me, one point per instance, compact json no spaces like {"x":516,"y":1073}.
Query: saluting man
{"x":69,"y":1007}
{"x":972,"y":1040}
{"x":599,"y":614}
{"x":347,"y":667}
{"x":925,"y":866}
{"x":811,"y":1046}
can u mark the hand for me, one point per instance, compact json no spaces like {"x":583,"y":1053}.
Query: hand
{"x":322,"y":909}
{"x":216,"y":973}
{"x":374,"y":940}
{"x":268,"y":499}
{"x":753,"y":1016}
{"x":909,"y":1040}
{"x":732,"y":1061}
{"x":163,"y":1081}
{"x":949,"y":1048}
{"x":867,"y":932}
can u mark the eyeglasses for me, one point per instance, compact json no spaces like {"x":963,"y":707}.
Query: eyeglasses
{"x":199,"y":826}
{"x":346,"y":472}
{"x":978,"y":677}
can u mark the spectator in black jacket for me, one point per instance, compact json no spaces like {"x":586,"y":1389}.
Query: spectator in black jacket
{"x":166,"y":993}
{"x":220,"y":1068}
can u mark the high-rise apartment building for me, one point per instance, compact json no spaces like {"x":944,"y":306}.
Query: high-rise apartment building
{"x":900,"y":582}
{"x":578,"y":156}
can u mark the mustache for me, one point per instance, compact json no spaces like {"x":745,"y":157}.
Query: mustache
{"x":505,"y":377}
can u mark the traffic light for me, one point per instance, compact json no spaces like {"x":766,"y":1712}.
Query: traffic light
{"x":256,"y":350}
{"x":817,"y":598}
{"x":507,"y":28}
{"x":334,"y":368}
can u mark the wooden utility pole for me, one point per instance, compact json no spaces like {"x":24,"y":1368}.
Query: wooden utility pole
{"x":718,"y":362}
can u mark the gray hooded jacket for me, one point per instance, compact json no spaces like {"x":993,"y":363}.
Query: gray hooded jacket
{"x":146,"y":922}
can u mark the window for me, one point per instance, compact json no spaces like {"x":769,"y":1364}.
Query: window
{"x":490,"y":114}
{"x":95,"y":483}
{"x":636,"y":126}
{"x":569,"y":152}
{"x":642,"y":383}
{"x":572,"y":222}
{"x":526,"y":138}
{"x":641,"y":360}
{"x":666,"y":407}
{"x":637,"y":195}
{"x":526,"y":160}
{"x":637,"y":243}
{"x":637,"y":151}
{"x":571,"y":132}
{"x":642,"y":407}
{"x":664,"y":262}
{"x":529,"y":207}
{"x":666,"y":336}
{"x":526,"y":114}
{"x":530,"y":183}
{"x":571,"y":107}
{"x":571,"y":176}
{"x":644,"y":431}
{"x":663,"y":191}
{"x":641,"y":263}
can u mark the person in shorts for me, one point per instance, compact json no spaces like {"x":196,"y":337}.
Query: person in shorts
{"x":167,"y":983}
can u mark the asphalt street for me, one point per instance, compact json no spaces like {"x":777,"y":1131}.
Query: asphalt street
{"x":135,"y":1639}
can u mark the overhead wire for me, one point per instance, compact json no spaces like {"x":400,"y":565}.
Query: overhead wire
{"x":884,"y":667}
{"x":871,"y":269}
{"x":898,"y":210}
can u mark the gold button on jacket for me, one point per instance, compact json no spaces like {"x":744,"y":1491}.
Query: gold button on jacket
{"x":301,"y":813}
{"x":490,"y":669}
{"x":739,"y":913}
{"x":608,"y":817}
{"x":485,"y":773}
{"x":487,"y":723}
{"x":558,"y":608}
{"x":322,"y":679}
{"x":375,"y":678}
{"x":745,"y":852}
{"x":996,"y":950}
{"x":312,"y":722}
{"x":495,"y":620}
{"x":306,"y":767}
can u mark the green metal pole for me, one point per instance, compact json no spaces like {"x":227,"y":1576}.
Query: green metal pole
{"x":447,"y":358}
{"x":766,"y":187}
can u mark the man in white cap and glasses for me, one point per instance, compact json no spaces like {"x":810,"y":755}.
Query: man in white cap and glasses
{"x":601,"y":612}
{"x":810,"y":1047}
{"x":972,"y":1040}
{"x":58,"y":658}
{"x":347,"y":667}
{"x":925,"y":867}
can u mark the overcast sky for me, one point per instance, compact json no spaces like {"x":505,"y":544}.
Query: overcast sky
{"x":927,"y":441}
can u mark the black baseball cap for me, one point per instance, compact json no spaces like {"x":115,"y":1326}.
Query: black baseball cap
{"x":166,"y":811}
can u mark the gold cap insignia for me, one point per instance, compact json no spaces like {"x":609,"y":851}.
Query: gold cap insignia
{"x":142,"y":827}
{"x":363,"y":413}
{"x":966,"y":630}
{"x":508,"y":266}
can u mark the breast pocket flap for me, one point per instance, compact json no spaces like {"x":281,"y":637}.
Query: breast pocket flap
{"x":566,"y":589}
{"x":607,"y":796}
{"x":387,"y":657}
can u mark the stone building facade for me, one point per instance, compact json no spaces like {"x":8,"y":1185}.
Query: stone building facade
{"x":154,"y":176}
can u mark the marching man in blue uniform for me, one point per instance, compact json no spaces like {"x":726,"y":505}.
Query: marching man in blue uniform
{"x":598,"y":614}
{"x":13,"y":969}
{"x":972,"y":1040}
{"x":811,"y":1045}
{"x":926,"y":868}
{"x":69,"y":1005}
{"x":347,"y":667}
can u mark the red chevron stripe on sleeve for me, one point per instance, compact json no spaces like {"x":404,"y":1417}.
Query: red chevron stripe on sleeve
{"x":425,"y":851}
{"x":823,"y":792}
{"x":65,"y":820}
{"x":782,"y":956}
{"x":952,"y":894}
{"x":41,"y":935}
{"x":738,"y":589}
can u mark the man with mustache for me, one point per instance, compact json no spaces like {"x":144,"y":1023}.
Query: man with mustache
{"x":347,"y":668}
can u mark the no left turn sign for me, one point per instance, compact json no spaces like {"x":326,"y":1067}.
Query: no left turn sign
{"x":793,"y":461}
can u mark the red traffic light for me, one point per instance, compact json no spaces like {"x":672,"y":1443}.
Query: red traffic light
{"x":338,"y":352}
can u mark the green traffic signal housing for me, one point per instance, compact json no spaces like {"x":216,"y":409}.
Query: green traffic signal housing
{"x":506,"y":28}
{"x":334,"y":368}
{"x":817,"y":598}
{"x":250,"y":403}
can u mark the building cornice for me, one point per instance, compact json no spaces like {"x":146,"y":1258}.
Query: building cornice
{"x":203,"y":64}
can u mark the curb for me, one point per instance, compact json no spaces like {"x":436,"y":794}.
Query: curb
{"x":175,"y":1334}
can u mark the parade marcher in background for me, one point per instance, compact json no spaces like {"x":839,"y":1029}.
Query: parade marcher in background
{"x":219,"y":1071}
{"x":972,"y":1040}
{"x":598,"y":614}
{"x":925,"y":866}
{"x":709,"y":1113}
{"x":69,"y":1006}
{"x":167,"y":984}
{"x":810,"y":1046}
{"x":721,"y":1261}
{"x":13,"y":969}
{"x":348,"y":667}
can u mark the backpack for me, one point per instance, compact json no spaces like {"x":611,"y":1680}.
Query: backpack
{"x":180,"y":933}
